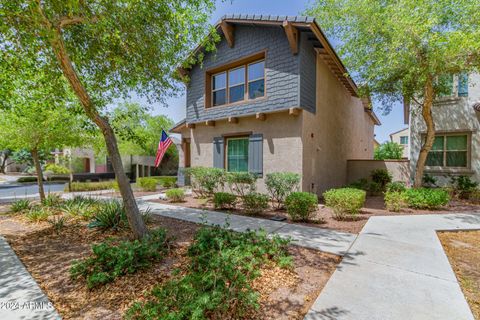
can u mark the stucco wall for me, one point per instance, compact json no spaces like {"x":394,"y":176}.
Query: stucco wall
{"x":395,"y":137}
{"x":340,"y":130}
{"x":451,"y":115}
{"x":360,"y":169}
{"x":282,"y":145}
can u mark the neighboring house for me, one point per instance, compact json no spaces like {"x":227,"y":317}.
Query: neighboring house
{"x":456,"y":150}
{"x":275,"y":97}
{"x":402,"y":137}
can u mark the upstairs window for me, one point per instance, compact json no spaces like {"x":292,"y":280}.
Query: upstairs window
{"x":403,"y":139}
{"x":238,"y":81}
{"x":463,"y":85}
{"x":453,"y":86}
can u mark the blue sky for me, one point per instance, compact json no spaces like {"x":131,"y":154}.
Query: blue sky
{"x":176,"y":106}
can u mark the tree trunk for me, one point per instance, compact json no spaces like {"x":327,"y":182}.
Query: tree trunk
{"x":38,"y":169}
{"x":3,"y":165}
{"x":430,"y":137}
{"x":135,"y":220}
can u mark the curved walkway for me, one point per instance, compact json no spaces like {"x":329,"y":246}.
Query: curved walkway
{"x":396,"y":269}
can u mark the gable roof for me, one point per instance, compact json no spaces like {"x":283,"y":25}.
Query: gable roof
{"x":302,"y":24}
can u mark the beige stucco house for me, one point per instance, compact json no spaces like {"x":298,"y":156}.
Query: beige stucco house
{"x":275,"y":97}
{"x":456,"y":150}
{"x":402,"y":137}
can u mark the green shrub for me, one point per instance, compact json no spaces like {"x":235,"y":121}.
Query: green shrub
{"x":345,"y":201}
{"x":175,"y":195}
{"x":301,"y":205}
{"x":217,"y":282}
{"x":58,"y":223}
{"x":205,"y":181}
{"x":241,"y":183}
{"x":388,"y":151}
{"x":361,"y":184}
{"x":375,"y":188}
{"x":397,"y":186}
{"x":91,"y":186}
{"x":382,"y":177}
{"x":80,"y":206}
{"x":423,"y":198}
{"x":166,"y":181}
{"x":281,"y":184}
{"x":224,"y":200}
{"x":56,"y":169}
{"x":475,"y":196}
{"x":52,"y":200}
{"x":109,"y":260}
{"x":27,"y":179}
{"x":463,"y":186}
{"x":20,"y":205}
{"x":395,"y":200}
{"x":147,"y":184}
{"x":109,"y":215}
{"x":254,"y":202}
{"x":38,"y":213}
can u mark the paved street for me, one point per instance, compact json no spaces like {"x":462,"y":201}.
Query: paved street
{"x":30,"y":190}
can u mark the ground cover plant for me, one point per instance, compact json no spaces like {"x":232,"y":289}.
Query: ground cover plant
{"x":345,"y":202}
{"x":20,"y":205}
{"x":175,"y":195}
{"x":217,"y":282}
{"x":110,"y":260}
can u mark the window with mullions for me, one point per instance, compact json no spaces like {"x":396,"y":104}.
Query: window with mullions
{"x":238,"y":84}
{"x":237,"y":154}
{"x":449,"y":151}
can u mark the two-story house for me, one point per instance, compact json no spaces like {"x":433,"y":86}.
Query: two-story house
{"x":456,"y":149}
{"x":275,"y":97}
{"x":402,"y":138}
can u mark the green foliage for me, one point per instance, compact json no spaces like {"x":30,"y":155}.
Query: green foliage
{"x":217,"y":282}
{"x":27,"y":179}
{"x":166,"y":181}
{"x":56,"y":169}
{"x":38,"y":213}
{"x":175,"y":195}
{"x":109,"y":215}
{"x":52,"y":200}
{"x":429,"y":181}
{"x":205,"y":181}
{"x":345,"y":202}
{"x":91,"y":186}
{"x":147,"y":183}
{"x":281,"y":184}
{"x":20,"y":205}
{"x":241,"y":183}
{"x":110,"y":261}
{"x":224,"y":200}
{"x":423,"y":198}
{"x":255,"y":203}
{"x":80,"y":206}
{"x":301,"y":205}
{"x":381,"y":176}
{"x":463,"y":186}
{"x":58,"y":223}
{"x":395,"y":200}
{"x":361,"y":184}
{"x":388,"y":151}
{"x":396,"y":186}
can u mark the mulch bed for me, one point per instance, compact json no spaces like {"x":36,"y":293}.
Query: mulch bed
{"x":47,"y":256}
{"x":323,"y":218}
{"x":463,"y":251}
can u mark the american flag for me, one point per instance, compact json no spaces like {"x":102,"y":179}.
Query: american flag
{"x":163,"y":145}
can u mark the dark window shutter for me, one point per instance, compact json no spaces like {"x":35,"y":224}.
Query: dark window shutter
{"x":218,"y":153}
{"x":255,"y":153}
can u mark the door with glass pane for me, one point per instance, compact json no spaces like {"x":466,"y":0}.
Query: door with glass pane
{"x":237,"y":154}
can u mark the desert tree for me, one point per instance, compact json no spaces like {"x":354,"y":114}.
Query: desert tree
{"x":108,"y":49}
{"x":400,"y":50}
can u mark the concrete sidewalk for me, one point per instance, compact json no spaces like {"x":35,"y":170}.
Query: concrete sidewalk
{"x":396,"y":270}
{"x":317,"y":238}
{"x":20,"y":296}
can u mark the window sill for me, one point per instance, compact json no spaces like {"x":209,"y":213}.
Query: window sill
{"x":447,"y":101}
{"x":454,"y":171}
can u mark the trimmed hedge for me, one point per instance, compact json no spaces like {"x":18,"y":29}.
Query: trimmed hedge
{"x":224,"y":200}
{"x":425,"y":198}
{"x":166,"y":181}
{"x":345,"y":201}
{"x":301,"y":205}
{"x":255,"y":202}
{"x":147,"y":184}
{"x":175,"y":195}
{"x":92,"y":186}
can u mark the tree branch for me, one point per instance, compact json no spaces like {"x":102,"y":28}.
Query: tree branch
{"x":68,"y":21}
